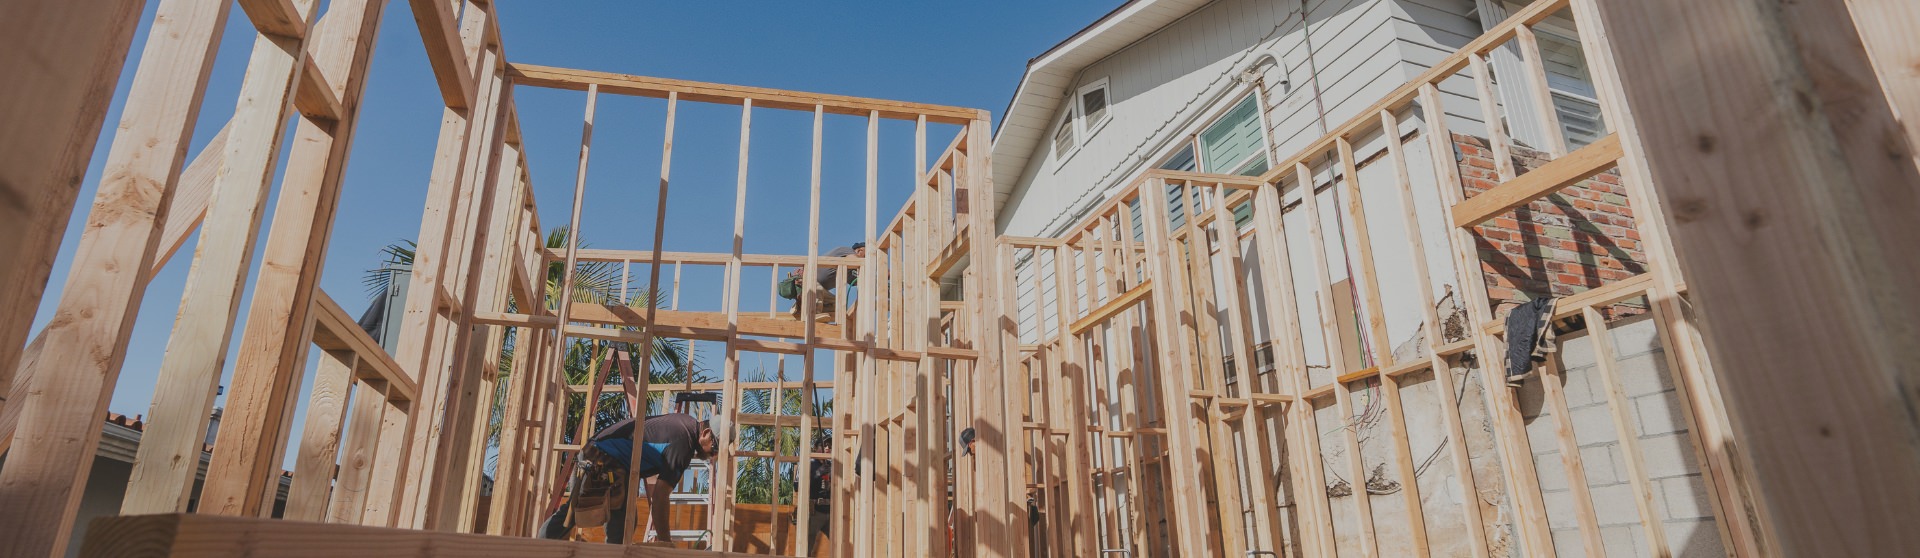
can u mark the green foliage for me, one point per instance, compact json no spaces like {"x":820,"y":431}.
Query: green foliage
{"x":754,"y":481}
{"x":593,"y":283}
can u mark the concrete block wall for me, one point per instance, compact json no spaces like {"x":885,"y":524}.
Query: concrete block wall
{"x":1659,"y":423}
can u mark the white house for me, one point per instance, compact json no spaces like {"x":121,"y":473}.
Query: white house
{"x":1231,"y":87}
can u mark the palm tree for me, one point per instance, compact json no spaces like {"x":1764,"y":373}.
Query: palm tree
{"x":753,"y":482}
{"x":593,"y":283}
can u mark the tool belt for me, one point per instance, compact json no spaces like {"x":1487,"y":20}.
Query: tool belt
{"x":599,"y":487}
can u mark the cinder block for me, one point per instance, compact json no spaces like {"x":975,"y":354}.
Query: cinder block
{"x":1694,"y":538}
{"x":1567,"y":544}
{"x":1551,"y":471}
{"x":1644,"y":374}
{"x":1659,"y":413}
{"x":1614,"y":504}
{"x":1576,"y":351}
{"x":1601,"y":466}
{"x":1593,"y":424}
{"x":1541,"y":433}
{"x":1583,"y":387}
{"x":1685,"y":497}
{"x":1623,"y":541}
{"x":1668,"y":456}
{"x":1561,"y":512}
{"x":1635,"y":336}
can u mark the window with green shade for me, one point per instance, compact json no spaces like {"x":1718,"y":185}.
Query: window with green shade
{"x":1229,"y":144}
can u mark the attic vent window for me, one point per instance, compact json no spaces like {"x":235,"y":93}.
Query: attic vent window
{"x":1093,"y":105}
{"x":1063,"y":137}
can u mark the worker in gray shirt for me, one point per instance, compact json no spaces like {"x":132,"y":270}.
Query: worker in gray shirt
{"x":828,"y":277}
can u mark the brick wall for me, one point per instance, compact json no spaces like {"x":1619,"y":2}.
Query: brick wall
{"x":1576,"y":239}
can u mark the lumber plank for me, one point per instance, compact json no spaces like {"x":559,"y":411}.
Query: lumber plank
{"x":202,"y":330}
{"x":357,"y":453}
{"x":334,"y":329}
{"x":1536,"y":84}
{"x":1430,"y":321}
{"x":1112,"y":307}
{"x":188,"y":206}
{"x":1541,"y":182}
{"x":314,"y":97}
{"x":1188,"y":513}
{"x":1651,"y":522}
{"x":698,"y":258}
{"x":208,"y":536}
{"x":443,"y":502}
{"x":1729,"y":482}
{"x":1603,"y":295}
{"x":268,"y":369}
{"x":730,"y":365}
{"x":445,"y":53}
{"x":1770,"y":157}
{"x":423,"y":327}
{"x":622,"y":84}
{"x":1553,"y":383}
{"x":63,"y":61}
{"x":1233,"y":181}
{"x":313,"y":470}
{"x":644,"y":375}
{"x":1884,"y":27}
{"x":1510,"y":437}
{"x":279,"y":17}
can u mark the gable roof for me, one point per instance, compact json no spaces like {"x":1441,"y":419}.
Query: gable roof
{"x":1049,"y":76}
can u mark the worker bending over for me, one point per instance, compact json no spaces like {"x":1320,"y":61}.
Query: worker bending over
{"x":599,"y":483}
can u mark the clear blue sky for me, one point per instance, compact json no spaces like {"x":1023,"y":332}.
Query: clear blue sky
{"x":967,"y":54}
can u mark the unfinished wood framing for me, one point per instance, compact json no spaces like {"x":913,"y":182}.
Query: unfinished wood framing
{"x":1308,"y":362}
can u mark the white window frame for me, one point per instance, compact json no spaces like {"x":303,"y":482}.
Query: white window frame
{"x":1259,"y":114}
{"x":1088,"y":129}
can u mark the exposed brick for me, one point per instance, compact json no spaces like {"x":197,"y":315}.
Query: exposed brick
{"x":1575,"y":239}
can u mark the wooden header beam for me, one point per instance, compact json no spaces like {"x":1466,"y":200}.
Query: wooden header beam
{"x":622,"y":84}
{"x":441,"y":33}
{"x":334,"y":330}
{"x":1539,"y":183}
{"x":699,"y":258}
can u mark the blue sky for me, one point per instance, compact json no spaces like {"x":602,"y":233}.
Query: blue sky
{"x":957,"y":53}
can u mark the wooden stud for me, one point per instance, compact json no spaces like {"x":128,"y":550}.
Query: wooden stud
{"x":268,"y":369}
{"x":1442,"y":373}
{"x":1515,"y":454}
{"x":1265,"y":536}
{"x":54,"y":115}
{"x":1490,"y":108}
{"x":1187,"y":513}
{"x":421,"y":328}
{"x":1823,"y":178}
{"x":1303,"y":447}
{"x":724,"y":474}
{"x":1542,"y":95}
{"x":357,"y":455}
{"x":1652,"y":523}
{"x":1552,"y":383}
{"x":1729,"y":485}
{"x":644,"y":375}
{"x":320,"y":440}
{"x":62,"y":63}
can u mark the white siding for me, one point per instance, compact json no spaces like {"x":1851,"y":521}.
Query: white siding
{"x":1167,"y":86}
